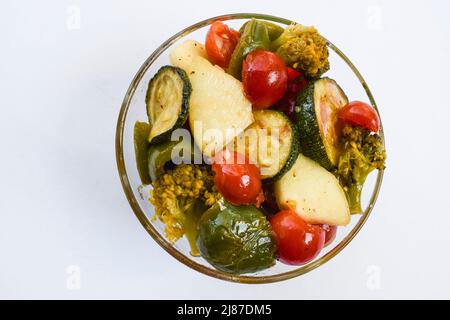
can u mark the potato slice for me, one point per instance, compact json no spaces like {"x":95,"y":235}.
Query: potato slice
{"x":218,"y":109}
{"x":314,"y":193}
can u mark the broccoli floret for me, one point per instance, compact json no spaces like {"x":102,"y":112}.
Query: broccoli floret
{"x":363,"y":152}
{"x":303,"y":48}
{"x":176,"y":192}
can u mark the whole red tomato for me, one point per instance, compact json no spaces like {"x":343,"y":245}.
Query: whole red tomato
{"x":360,"y":114}
{"x":298,"y":242}
{"x":236,"y":179}
{"x":220,"y":43}
{"x":330,"y":233}
{"x":264,"y":77}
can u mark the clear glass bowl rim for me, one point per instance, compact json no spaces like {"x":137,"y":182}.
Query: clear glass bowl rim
{"x":148,"y":225}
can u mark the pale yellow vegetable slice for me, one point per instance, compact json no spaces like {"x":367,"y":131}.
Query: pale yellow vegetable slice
{"x":314,"y":193}
{"x":218,"y":109}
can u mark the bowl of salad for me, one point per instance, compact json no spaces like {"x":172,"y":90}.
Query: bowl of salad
{"x":250,"y":148}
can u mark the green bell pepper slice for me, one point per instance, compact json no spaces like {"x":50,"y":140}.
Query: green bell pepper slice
{"x":141,"y":145}
{"x":236,"y":239}
{"x":254,"y":36}
{"x":184,"y":151}
{"x":274,"y":30}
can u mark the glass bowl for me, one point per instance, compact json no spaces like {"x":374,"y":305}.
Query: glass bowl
{"x":133,"y":109}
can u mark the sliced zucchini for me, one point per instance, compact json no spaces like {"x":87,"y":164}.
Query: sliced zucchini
{"x":141,"y":132}
{"x":317,"y":109}
{"x":314,"y":193}
{"x":176,"y":152}
{"x":271,"y":142}
{"x":167,"y":102}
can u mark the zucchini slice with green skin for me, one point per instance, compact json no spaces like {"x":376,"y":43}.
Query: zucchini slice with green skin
{"x":141,"y":145}
{"x":319,"y":130}
{"x":271,"y":142}
{"x":167,"y":102}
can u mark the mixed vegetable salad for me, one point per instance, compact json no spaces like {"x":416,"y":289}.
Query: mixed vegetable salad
{"x":252,"y":154}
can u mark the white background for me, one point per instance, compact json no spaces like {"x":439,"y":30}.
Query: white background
{"x":61,"y":202}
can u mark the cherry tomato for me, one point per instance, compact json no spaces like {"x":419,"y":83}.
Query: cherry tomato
{"x":298,"y":242}
{"x":220,"y":43}
{"x":330,"y":233}
{"x":264,"y":77}
{"x":361,"y":114}
{"x":236,"y":179}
